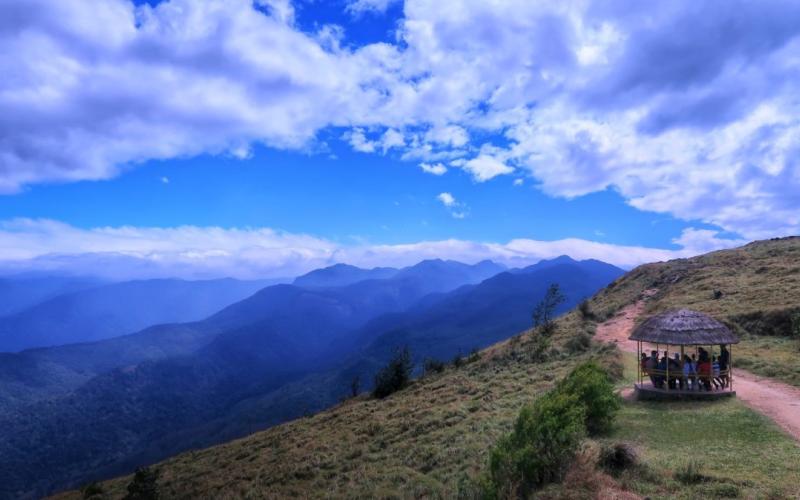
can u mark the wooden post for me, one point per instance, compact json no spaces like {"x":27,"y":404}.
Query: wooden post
{"x":666,"y":355}
{"x":683,"y":382}
{"x":639,"y":361}
{"x":730,"y":368}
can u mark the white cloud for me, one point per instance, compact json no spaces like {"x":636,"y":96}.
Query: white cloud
{"x":359,"y":7}
{"x":435,"y":169}
{"x":205,"y":252}
{"x":359,"y":141}
{"x":457,"y":209}
{"x":588,"y":95}
{"x":447,"y":199}
{"x":392,"y":139}
{"x":164,"y":180}
{"x":451,"y":135}
{"x":485,"y":167}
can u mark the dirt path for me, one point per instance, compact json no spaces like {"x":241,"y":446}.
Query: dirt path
{"x":779,"y":401}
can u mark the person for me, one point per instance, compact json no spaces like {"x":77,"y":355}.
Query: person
{"x":704,"y":369}
{"x":662,"y":371}
{"x":715,"y":371}
{"x":688,"y":373}
{"x":643,"y":364}
{"x":652,"y":365}
{"x":724,"y":365}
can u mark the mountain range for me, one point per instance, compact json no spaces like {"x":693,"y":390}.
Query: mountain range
{"x":137,"y":398}
{"x":85,"y":313}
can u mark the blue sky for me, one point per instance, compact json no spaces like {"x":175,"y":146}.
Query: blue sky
{"x":352,"y":197}
{"x":265,"y":138}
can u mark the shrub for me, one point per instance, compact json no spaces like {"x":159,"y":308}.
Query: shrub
{"x":432,"y":365}
{"x":92,"y":491}
{"x":591,"y":385}
{"x":458,"y":360}
{"x":395,"y":375}
{"x":690,"y":474}
{"x":578,"y":343}
{"x":545,"y":438}
{"x":617,"y":457}
{"x":355,"y":386}
{"x":795,"y":328}
{"x":144,"y":485}
{"x":474,"y":356}
{"x":586,"y":311}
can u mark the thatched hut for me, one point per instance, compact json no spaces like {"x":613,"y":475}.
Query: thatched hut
{"x":690,"y":367}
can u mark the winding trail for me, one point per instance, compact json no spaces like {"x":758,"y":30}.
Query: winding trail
{"x":778,"y":401}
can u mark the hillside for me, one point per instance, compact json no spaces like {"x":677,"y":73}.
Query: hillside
{"x":755,"y":289}
{"x":141,"y":397}
{"x":433,"y":438}
{"x":20,"y":292}
{"x":116,"y":309}
{"x":439,"y":327}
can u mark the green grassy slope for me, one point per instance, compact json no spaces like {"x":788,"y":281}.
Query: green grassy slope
{"x":433,"y":436}
{"x":759,"y":298}
{"x":422,"y":441}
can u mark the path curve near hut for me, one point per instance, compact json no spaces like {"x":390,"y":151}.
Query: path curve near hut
{"x":778,"y":401}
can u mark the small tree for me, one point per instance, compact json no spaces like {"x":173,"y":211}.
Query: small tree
{"x":544,"y":312}
{"x":144,"y":485}
{"x":586,"y":311}
{"x":355,"y":386}
{"x":544,"y":440}
{"x":432,"y":365}
{"x":594,"y":389}
{"x":395,"y":375}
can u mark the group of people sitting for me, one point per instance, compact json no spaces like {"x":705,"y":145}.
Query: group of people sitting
{"x":701,"y":372}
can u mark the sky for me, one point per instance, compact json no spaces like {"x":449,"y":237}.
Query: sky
{"x":266,"y":138}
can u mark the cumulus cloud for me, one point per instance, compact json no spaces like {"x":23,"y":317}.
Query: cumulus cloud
{"x":457,"y":209}
{"x":683,"y":107}
{"x":435,"y":169}
{"x":193,"y":252}
{"x":485,"y":167}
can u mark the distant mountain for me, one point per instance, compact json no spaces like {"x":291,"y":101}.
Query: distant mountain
{"x":139,"y":397}
{"x":23,"y":291}
{"x":111,"y":310}
{"x":341,"y":275}
{"x":471,"y":317}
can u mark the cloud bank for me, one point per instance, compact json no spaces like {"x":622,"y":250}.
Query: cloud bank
{"x":683,"y":107}
{"x":192,"y":252}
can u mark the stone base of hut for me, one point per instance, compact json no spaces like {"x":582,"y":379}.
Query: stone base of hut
{"x":649,"y":393}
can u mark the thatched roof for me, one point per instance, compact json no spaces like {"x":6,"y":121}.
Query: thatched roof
{"x":684,"y":327}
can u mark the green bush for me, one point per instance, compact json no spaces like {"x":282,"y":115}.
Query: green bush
{"x":92,"y":491}
{"x":545,"y":438}
{"x":586,"y":311}
{"x":690,"y":474}
{"x":591,"y":385}
{"x":395,"y":375}
{"x":617,"y":457}
{"x":432,"y":365}
{"x":578,"y":342}
{"x":144,"y":485}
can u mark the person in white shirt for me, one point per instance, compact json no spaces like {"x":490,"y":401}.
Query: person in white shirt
{"x":689,"y":372}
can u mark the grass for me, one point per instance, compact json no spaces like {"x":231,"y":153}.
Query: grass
{"x":420,"y":442}
{"x":706,"y":449}
{"x":775,"y":357}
